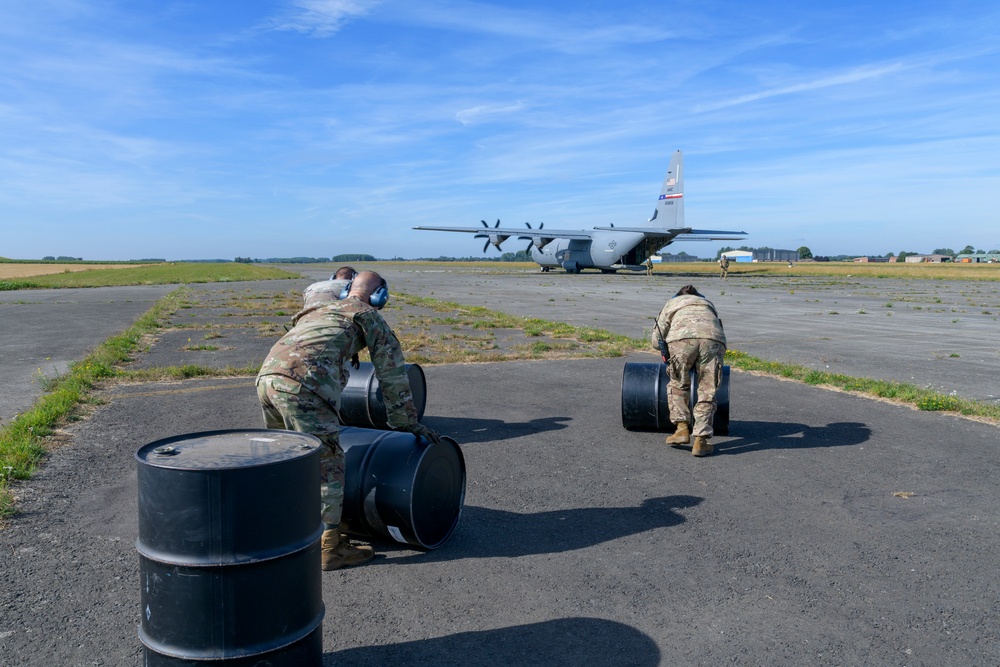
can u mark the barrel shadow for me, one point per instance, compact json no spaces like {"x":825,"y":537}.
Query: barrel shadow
{"x":492,"y":533}
{"x":565,"y":642}
{"x":757,"y":436}
{"x":468,"y":431}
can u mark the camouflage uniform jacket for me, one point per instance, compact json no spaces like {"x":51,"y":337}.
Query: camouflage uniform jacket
{"x":688,"y":316}
{"x":319,"y":346}
{"x":323,"y":292}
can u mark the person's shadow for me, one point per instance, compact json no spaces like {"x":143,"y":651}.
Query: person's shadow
{"x":756,"y":436}
{"x":466,"y":430}
{"x":564,"y":642}
{"x":491,"y":533}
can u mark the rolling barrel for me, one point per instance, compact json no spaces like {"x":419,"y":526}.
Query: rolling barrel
{"x":362,"y":403}
{"x":401,"y":487}
{"x":644,"y":399}
{"x":229,"y":549}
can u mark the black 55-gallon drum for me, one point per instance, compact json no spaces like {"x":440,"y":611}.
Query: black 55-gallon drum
{"x":229,"y":550}
{"x":362,"y":403}
{"x":401,"y":487}
{"x":644,"y":399}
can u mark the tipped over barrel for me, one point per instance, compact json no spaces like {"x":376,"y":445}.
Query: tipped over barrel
{"x":401,"y":487}
{"x":644,"y":399}
{"x":362,"y":403}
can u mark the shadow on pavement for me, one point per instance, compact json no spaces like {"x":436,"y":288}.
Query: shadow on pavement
{"x":566,"y":642}
{"x":490,"y":533}
{"x":466,"y":430}
{"x":757,"y":436}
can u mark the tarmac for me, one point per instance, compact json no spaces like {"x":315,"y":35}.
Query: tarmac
{"x":827,"y":529}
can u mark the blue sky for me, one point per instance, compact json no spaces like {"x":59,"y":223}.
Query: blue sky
{"x":317,"y":127}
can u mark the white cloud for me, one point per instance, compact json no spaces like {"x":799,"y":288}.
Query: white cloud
{"x":853,"y":75}
{"x":321,"y":18}
{"x":485,"y":112}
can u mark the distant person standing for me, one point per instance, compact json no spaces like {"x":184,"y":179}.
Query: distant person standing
{"x":692,"y":330}
{"x":328,"y":291}
{"x":649,"y":266}
{"x":723,"y":267}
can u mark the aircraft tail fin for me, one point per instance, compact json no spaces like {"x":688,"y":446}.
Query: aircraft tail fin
{"x":669,"y":210}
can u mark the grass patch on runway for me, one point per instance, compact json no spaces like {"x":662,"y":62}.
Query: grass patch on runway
{"x":897,"y":392}
{"x":442,"y":332}
{"x":22,"y":440}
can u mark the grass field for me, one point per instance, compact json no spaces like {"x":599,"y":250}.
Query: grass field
{"x":21,"y":275}
{"x":13,"y":271}
{"x":149,"y":274}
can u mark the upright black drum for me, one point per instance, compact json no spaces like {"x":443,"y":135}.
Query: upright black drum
{"x":644,"y":399}
{"x":229,"y":549}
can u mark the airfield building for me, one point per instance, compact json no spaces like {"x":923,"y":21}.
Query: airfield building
{"x":762,"y":255}
{"x":979,"y":258}
{"x":932,"y":259}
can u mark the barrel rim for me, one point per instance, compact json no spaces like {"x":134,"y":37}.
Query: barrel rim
{"x":461,"y":496}
{"x":165,"y":464}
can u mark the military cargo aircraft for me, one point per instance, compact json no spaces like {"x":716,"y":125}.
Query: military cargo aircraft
{"x":606,"y":248}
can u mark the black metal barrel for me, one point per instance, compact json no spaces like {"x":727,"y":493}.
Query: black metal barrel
{"x":644,"y":399}
{"x":401,"y":487}
{"x":362,"y":403}
{"x":229,"y":549}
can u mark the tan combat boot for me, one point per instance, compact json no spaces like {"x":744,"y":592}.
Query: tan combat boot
{"x":681,"y":436}
{"x":337,"y":551}
{"x":702,"y":447}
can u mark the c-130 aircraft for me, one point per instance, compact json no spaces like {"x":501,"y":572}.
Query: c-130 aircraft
{"x":606,"y":248}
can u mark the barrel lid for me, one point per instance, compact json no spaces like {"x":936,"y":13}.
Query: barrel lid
{"x":227,"y":449}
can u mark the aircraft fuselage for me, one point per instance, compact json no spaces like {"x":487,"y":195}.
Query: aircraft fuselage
{"x":605,"y":250}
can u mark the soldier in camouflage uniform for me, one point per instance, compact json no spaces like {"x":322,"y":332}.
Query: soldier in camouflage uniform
{"x":723,"y":267}
{"x":301,"y":381}
{"x":692,"y":330}
{"x":326,"y":291}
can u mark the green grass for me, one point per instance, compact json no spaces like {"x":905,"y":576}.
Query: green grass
{"x":900,"y":392}
{"x":21,"y":440}
{"x":598,"y":342}
{"x":156,"y":274}
{"x":22,"y":445}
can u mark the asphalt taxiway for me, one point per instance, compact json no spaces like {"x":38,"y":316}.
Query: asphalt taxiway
{"x":827,"y":529}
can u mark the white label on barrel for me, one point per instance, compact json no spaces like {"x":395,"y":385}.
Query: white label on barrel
{"x":396,"y":535}
{"x":261,"y":439}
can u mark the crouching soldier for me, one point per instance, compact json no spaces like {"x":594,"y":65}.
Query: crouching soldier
{"x":301,"y":381}
{"x":692,"y":331}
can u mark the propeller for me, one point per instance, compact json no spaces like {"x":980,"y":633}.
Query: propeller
{"x":494,"y":239}
{"x":531,"y":241}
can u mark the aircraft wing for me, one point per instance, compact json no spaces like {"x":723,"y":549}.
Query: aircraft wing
{"x":496,"y":235}
{"x":519,"y":232}
{"x":680,"y":233}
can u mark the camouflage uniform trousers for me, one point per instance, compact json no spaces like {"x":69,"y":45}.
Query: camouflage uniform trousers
{"x":705,"y":356}
{"x":286,"y":404}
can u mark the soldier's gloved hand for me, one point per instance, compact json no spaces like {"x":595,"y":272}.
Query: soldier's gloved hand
{"x":355,"y":362}
{"x":426,"y":433}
